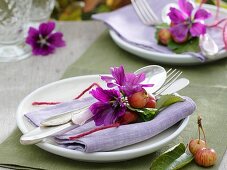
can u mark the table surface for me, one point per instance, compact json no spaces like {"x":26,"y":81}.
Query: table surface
{"x":18,"y":79}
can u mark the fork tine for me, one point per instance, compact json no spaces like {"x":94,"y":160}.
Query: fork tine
{"x":150,"y":11}
{"x":167,"y":85}
{"x":169,"y":70}
{"x":171,"y":76}
{"x":145,"y":12}
{"x":139,"y":12}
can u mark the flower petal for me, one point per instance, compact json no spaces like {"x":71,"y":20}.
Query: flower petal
{"x":105,"y":95}
{"x":107,"y":79}
{"x":45,"y":50}
{"x":176,"y":16}
{"x":56,"y":40}
{"x":186,"y":7}
{"x":109,"y":117}
{"x":197,"y":29}
{"x":46,"y":28}
{"x":98,"y":110}
{"x":119,"y":74}
{"x":33,"y":36}
{"x":179,"y":32}
{"x":32,"y":32}
{"x":132,"y":78}
{"x":202,"y":14}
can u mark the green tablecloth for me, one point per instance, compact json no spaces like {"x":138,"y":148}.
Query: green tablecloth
{"x":208,"y":88}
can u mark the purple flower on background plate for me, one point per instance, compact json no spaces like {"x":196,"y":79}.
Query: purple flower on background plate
{"x":43,"y":41}
{"x":108,"y":108}
{"x":187,"y":20}
{"x":128,"y":83}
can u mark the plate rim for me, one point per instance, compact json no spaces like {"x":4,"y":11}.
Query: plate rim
{"x":109,"y":156}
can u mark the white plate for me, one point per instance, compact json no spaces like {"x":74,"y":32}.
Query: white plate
{"x":173,"y":59}
{"x":65,"y":90}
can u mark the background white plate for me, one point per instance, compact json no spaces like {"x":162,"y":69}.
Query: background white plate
{"x":67,"y":89}
{"x":173,"y":59}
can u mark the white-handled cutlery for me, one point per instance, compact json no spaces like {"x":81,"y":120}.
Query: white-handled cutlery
{"x":169,"y":83}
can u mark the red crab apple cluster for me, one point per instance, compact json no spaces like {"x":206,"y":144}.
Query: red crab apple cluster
{"x":137,"y":100}
{"x":203,"y":156}
{"x":141,"y":100}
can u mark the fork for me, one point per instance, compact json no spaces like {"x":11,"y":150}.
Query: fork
{"x":145,"y":13}
{"x":172,"y":76}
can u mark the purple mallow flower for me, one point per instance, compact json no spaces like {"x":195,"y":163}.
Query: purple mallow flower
{"x":128,"y":83}
{"x":43,"y":41}
{"x":187,"y":20}
{"x":108,"y":108}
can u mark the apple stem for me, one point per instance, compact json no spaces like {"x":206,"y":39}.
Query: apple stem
{"x":199,"y":134}
{"x":200,"y":126}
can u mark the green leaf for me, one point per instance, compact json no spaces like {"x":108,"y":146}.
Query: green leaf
{"x":192,"y":45}
{"x":172,"y":159}
{"x":102,"y":8}
{"x":180,"y":162}
{"x":162,"y":25}
{"x":146,"y":114}
{"x":167,"y":100}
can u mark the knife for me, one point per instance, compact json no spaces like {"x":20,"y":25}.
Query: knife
{"x":38,"y":134}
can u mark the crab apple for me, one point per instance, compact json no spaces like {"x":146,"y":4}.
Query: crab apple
{"x":128,"y":117}
{"x":172,"y":24}
{"x":195,"y":145}
{"x":151,"y":102}
{"x":164,"y":36}
{"x":139,"y":99}
{"x":206,"y":157}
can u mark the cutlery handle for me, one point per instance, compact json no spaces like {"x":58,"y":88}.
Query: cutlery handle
{"x":39,"y":133}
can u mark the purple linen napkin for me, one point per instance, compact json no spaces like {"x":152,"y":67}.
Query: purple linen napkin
{"x":114,"y":138}
{"x":128,"y":26}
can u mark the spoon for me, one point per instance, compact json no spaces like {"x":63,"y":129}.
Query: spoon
{"x":208,"y":46}
{"x":154,"y":74}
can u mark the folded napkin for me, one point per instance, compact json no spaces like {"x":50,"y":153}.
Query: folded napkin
{"x":114,"y":138}
{"x":128,"y":26}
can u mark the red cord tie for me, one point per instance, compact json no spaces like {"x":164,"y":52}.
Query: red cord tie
{"x":93,"y":131}
{"x":79,"y":96}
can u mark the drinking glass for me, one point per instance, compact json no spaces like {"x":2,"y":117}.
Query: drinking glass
{"x":41,"y":10}
{"x":13,"y":19}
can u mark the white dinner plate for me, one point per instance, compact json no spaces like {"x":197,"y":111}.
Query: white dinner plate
{"x":67,"y":89}
{"x":173,"y":59}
